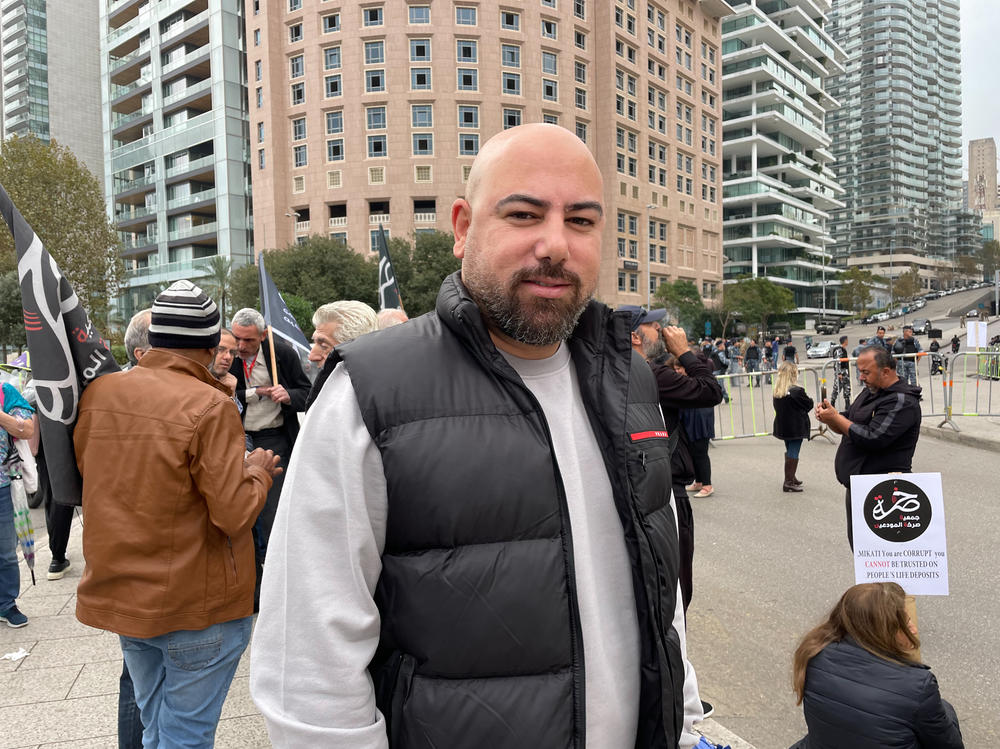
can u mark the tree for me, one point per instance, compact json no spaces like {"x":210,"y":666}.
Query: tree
{"x":968,"y":266}
{"x":724,"y":312}
{"x":11,"y":320}
{"x":907,"y":285}
{"x":989,"y":256}
{"x":856,"y":289}
{"x":319,"y":270}
{"x":64,"y":205}
{"x":421,"y":267}
{"x":760,"y":299}
{"x":217,"y":281}
{"x":683,"y":302}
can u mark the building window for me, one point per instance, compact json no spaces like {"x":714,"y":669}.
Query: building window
{"x":333,"y":87}
{"x":420,"y":50}
{"x":466,"y":51}
{"x":423,"y":144}
{"x":512,"y":84}
{"x":260,"y":96}
{"x":374,"y":81}
{"x":331,"y":58}
{"x":621,"y":280}
{"x":256,"y":37}
{"x":375,"y":118}
{"x":550,"y":90}
{"x":468,"y":116}
{"x":294,"y":5}
{"x":297,"y":66}
{"x":374,"y":53}
{"x":376,"y":146}
{"x":420,"y":14}
{"x":581,"y":98}
{"x":295,"y":33}
{"x":334,"y":122}
{"x":258,"y":70}
{"x":260,"y":132}
{"x":580,"y":40}
{"x":550,"y":29}
{"x":633,"y":282}
{"x":510,"y":55}
{"x":373,"y":235}
{"x":422,"y":173}
{"x":511,"y":118}
{"x":373,"y":16}
{"x":510,"y":21}
{"x":421,"y":115}
{"x":581,"y":131}
{"x":549,"y":3}
{"x":299,"y":128}
{"x":260,"y":158}
{"x":550,"y":119}
{"x":376,"y":175}
{"x":298,"y":184}
{"x":420,"y":78}
{"x":580,"y":11}
{"x":298,"y":93}
{"x":333,"y":180}
{"x":335,"y":149}
{"x":580,"y":71}
{"x":465,"y":16}
{"x":331,"y":23}
{"x":468,"y":144}
{"x":550,"y":63}
{"x":300,"y":156}
{"x":468,"y":79}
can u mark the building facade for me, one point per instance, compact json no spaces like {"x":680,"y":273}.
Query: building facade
{"x":779,"y":186}
{"x":982,"y":190}
{"x":368,"y":115}
{"x":51,"y":75}
{"x":897,"y":137}
{"x":175,"y":135}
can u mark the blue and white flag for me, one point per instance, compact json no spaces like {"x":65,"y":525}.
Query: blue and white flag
{"x":388,"y":290}
{"x":276,"y":312}
{"x":67,"y":352}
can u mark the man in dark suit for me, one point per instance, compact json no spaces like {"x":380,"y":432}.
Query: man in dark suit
{"x":270,"y":412}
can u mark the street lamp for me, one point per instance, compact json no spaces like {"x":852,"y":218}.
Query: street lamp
{"x":892,"y":298}
{"x":649,"y":253}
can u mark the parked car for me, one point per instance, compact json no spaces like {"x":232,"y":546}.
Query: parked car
{"x":821,"y":350}
{"x":972,"y":313}
{"x":921,"y":325}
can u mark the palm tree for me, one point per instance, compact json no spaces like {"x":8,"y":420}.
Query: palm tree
{"x":218,"y":281}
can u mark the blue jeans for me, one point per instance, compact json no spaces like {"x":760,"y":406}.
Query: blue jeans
{"x":181,"y":680}
{"x":792,"y":448}
{"x":10,"y":571}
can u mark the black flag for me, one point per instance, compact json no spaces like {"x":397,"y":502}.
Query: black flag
{"x":67,"y":352}
{"x":276,"y":313}
{"x":388,"y":290}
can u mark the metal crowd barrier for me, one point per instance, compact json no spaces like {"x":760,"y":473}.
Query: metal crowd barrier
{"x":984,"y":371}
{"x":749,"y":411}
{"x":925,"y":375}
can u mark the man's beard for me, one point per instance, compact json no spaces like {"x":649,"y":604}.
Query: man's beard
{"x":653,"y":349}
{"x":536,"y":321}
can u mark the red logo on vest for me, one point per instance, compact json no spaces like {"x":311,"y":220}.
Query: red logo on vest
{"x":656,"y":434}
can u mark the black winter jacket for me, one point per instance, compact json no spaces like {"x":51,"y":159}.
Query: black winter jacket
{"x":856,"y":699}
{"x":883,"y":434}
{"x":290,"y":376}
{"x":481,"y":643}
{"x":791,"y":415}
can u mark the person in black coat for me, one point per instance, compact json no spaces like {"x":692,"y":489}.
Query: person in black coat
{"x":860,"y":681}
{"x":791,"y":420}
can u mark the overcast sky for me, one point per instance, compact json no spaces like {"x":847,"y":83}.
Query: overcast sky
{"x":980,"y":72}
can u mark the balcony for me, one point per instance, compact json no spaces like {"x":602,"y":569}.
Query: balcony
{"x":179,"y":28}
{"x":191,"y":166}
{"x":124,"y":119}
{"x":165,"y":270}
{"x":338,"y":222}
{"x":192,"y":55}
{"x":18,"y":28}
{"x":192,"y":231}
{"x":377,"y":219}
{"x":131,"y":215}
{"x":133,"y":184}
{"x":197,"y":88}
{"x":142,"y":51}
{"x":301,"y":227}
{"x":189,"y":199}
{"x":17,"y":73}
{"x":118,"y":91}
{"x":425,"y":218}
{"x":13,"y":122}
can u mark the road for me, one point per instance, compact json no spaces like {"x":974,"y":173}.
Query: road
{"x":769,"y":566}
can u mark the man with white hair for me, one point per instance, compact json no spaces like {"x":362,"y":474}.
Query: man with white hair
{"x":388,"y":318}
{"x":339,"y":322}
{"x":270,"y":412}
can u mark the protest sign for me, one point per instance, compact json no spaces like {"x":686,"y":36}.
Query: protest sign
{"x":975,"y":334}
{"x":899,"y":531}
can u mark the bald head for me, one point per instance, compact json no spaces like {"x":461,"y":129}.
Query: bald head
{"x":524,"y":143}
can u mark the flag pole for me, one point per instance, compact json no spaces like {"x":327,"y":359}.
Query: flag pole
{"x":274,"y":365}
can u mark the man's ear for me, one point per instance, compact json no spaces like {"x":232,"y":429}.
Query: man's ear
{"x":636,"y":338}
{"x":461,"y":219}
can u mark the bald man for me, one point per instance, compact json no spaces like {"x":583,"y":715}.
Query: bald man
{"x":488,"y":488}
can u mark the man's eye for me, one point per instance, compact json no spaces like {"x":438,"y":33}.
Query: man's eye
{"x":581,"y":221}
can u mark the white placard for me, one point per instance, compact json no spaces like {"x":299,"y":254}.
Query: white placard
{"x":975,"y":334}
{"x":899,"y":532}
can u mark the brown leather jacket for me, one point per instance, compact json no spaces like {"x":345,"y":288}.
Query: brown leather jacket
{"x":168,"y":502}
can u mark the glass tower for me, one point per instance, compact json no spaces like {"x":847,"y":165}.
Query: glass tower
{"x":779,"y":188}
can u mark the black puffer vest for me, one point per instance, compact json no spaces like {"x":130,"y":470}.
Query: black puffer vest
{"x":481,"y":644}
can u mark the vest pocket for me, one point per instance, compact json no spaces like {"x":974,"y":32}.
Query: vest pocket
{"x":396,"y":678}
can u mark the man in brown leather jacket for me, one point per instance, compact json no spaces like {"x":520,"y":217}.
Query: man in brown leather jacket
{"x":168,"y":504}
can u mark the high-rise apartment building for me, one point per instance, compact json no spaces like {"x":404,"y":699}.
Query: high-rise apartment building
{"x":897,"y":137}
{"x":369,"y":114}
{"x":982,"y":192}
{"x":175,"y":134}
{"x":779,"y":185}
{"x":51,"y":74}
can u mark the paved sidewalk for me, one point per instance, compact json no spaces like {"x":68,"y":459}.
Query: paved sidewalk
{"x":64,"y":694}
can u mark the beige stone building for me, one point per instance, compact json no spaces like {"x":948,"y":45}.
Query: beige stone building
{"x":369,"y":114}
{"x":982,"y":175}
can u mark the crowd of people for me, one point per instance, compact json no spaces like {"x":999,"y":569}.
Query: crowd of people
{"x":480,"y":533}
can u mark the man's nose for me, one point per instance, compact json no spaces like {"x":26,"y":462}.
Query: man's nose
{"x":553,"y":244}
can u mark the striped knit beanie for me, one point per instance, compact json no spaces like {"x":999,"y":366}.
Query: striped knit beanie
{"x":184,"y":317}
